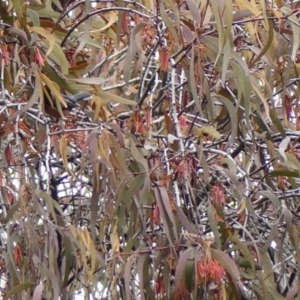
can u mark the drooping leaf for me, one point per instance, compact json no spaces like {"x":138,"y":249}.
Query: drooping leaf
{"x":229,"y":265}
{"x":47,"y":35}
{"x":296,"y":31}
{"x":180,"y":269}
{"x":19,"y":288}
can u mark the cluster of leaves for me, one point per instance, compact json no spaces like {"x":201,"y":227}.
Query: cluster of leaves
{"x":179,"y":179}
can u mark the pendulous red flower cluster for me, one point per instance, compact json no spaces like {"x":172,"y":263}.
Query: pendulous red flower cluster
{"x":209,"y":269}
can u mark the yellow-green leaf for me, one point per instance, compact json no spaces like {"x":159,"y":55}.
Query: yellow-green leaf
{"x":47,"y":35}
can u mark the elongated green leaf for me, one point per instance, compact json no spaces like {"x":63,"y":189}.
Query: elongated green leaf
{"x":268,"y":43}
{"x":20,"y":33}
{"x":47,"y":35}
{"x":290,"y":227}
{"x":245,"y":251}
{"x":68,"y":260}
{"x":226,"y":58}
{"x":233,"y":117}
{"x":293,"y":160}
{"x":168,"y":23}
{"x":131,"y":51}
{"x":108,"y":98}
{"x":120,"y":3}
{"x":229,"y":265}
{"x":142,"y":267}
{"x":167,"y":225}
{"x":219,"y":25}
{"x":56,"y":92}
{"x":272,"y":291}
{"x":49,"y":13}
{"x":294,"y":23}
{"x":34,"y":17}
{"x":183,"y":259}
{"x":284,"y":172}
{"x":167,"y":205}
{"x":277,"y":122}
{"x":191,"y":79}
{"x":13,"y":209}
{"x":214,"y":225}
{"x":127,"y":275}
{"x":37,"y":94}
{"x":63,"y":63}
{"x":210,"y":131}
{"x":86,"y":31}
{"x":18,"y":289}
{"x":17,"y":5}
{"x":89,"y":80}
{"x":230,"y":163}
{"x":270,"y":196}
{"x":242,"y":72}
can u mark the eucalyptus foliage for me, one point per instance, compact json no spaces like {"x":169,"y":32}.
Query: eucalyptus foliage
{"x":179,"y":179}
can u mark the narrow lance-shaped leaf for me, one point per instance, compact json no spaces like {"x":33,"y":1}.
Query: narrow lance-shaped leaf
{"x":244,"y":249}
{"x":131,"y":51}
{"x":183,"y":258}
{"x":19,"y":288}
{"x":233,"y":117}
{"x":219,"y":25}
{"x":141,"y":268}
{"x":229,"y":265}
{"x":214,"y":225}
{"x":33,"y":99}
{"x":47,"y":35}
{"x":296,"y":31}
{"x":165,"y":218}
{"x":168,"y":23}
{"x":127,"y":275}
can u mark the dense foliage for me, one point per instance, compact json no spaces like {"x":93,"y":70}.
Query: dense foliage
{"x":179,"y":179}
